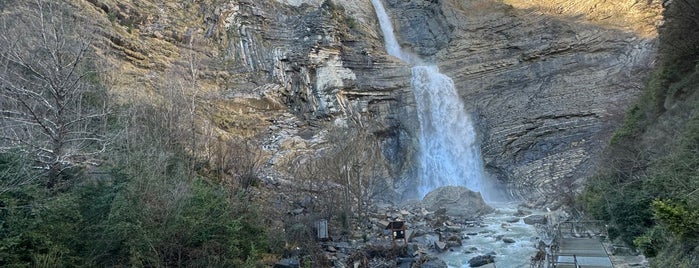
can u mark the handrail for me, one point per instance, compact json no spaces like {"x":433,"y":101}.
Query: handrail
{"x":577,"y":229}
{"x":574,"y":262}
{"x":598,"y":228}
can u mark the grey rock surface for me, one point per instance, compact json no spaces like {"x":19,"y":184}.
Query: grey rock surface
{"x":481,"y":260}
{"x":546,"y":91}
{"x":458,"y":201}
{"x":535,"y":219}
{"x":434,"y":263}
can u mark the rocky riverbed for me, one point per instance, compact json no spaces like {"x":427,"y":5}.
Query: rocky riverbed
{"x":443,"y":232}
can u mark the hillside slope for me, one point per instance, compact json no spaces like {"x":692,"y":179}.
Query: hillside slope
{"x":648,"y":188}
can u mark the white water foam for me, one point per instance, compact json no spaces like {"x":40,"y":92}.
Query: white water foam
{"x":449,"y":152}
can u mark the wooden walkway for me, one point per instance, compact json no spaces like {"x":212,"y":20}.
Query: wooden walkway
{"x":574,"y":251}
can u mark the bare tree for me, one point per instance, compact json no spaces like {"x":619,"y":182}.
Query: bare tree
{"x":52,"y":105}
{"x":355,"y":163}
{"x":238,"y":159}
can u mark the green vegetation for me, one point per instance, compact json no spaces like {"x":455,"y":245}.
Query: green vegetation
{"x":132,"y":193}
{"x":648,"y":190}
{"x":127,"y":217}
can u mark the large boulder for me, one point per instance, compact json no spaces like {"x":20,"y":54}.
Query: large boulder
{"x":481,"y":260}
{"x":458,"y":201}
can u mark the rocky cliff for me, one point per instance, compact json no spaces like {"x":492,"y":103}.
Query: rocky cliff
{"x":278,"y":72}
{"x":546,"y":85}
{"x":548,"y":81}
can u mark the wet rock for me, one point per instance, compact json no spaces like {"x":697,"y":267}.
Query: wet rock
{"x":481,"y":260}
{"x":440,"y":246}
{"x":456,"y":201}
{"x":535,"y":219}
{"x":512,"y":220}
{"x":421,"y":27}
{"x":434,"y":263}
{"x":508,"y":240}
{"x":453,"y":228}
{"x":454,"y":241}
{"x":521,"y":212}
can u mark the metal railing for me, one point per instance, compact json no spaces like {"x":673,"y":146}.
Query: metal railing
{"x":574,"y":262}
{"x":572,"y":229}
{"x":582,"y":229}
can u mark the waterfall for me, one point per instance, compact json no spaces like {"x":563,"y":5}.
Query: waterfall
{"x":449,"y":153}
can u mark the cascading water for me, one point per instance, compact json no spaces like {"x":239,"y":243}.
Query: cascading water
{"x":449,"y":154}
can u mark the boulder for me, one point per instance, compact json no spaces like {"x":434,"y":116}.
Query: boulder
{"x":521,"y":212}
{"x":508,"y":240}
{"x":481,"y":260}
{"x":405,"y":262}
{"x":454,"y":241}
{"x":535,"y":219}
{"x":512,"y":220}
{"x":440,"y":246}
{"x":434,"y":263}
{"x":287,"y":263}
{"x":456,"y":201}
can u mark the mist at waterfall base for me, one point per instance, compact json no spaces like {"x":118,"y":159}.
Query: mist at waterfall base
{"x":449,"y":153}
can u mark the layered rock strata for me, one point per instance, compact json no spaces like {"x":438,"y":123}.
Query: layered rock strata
{"x":547,"y":89}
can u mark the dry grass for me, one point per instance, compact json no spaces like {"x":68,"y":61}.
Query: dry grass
{"x":638,"y":16}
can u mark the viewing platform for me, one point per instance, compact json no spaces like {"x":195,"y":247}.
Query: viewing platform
{"x":579,"y":245}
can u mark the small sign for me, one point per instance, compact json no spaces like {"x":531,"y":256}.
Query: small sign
{"x":397,"y":229}
{"x":323,"y":229}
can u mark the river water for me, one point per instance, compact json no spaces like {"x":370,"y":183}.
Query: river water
{"x":488,"y":239}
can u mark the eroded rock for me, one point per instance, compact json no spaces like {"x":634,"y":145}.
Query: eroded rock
{"x":434,"y":263}
{"x":481,"y":260}
{"x":535,"y":219}
{"x":456,"y":201}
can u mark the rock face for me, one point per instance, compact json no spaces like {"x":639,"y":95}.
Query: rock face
{"x":546,"y":89}
{"x":458,"y":202}
{"x":420,"y":26}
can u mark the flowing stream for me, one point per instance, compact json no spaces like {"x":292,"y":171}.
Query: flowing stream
{"x":449,"y":155}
